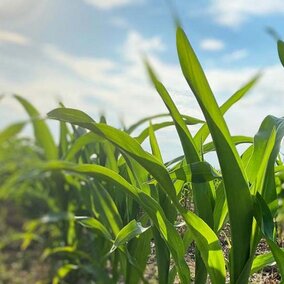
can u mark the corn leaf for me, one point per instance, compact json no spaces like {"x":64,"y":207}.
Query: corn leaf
{"x":11,"y":131}
{"x":42,"y":133}
{"x":131,"y":230}
{"x":151,"y":207}
{"x":131,"y":147}
{"x":203,"y":132}
{"x":236,"y":186}
{"x":280,"y":47}
{"x":261,"y":261}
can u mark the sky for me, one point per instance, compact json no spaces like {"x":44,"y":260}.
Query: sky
{"x":88,"y":55}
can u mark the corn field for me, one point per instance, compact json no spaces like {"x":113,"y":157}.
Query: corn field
{"x":102,"y":205}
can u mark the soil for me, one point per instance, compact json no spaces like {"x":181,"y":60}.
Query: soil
{"x":17,"y":266}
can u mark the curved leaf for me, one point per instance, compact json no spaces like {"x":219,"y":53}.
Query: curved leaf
{"x":240,"y":213}
{"x":42,"y":133}
{"x":131,"y":147}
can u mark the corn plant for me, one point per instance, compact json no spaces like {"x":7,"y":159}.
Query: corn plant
{"x":246,"y":195}
{"x":107,"y":200}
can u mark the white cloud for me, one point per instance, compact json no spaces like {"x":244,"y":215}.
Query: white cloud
{"x":235,"y":13}
{"x":88,"y":68}
{"x":236,"y":55}
{"x":13,"y":38}
{"x":122,"y":89}
{"x":136,"y":46}
{"x":110,"y":4}
{"x":212,"y":44}
{"x":22,"y":11}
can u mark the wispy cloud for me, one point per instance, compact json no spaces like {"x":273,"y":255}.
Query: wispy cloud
{"x":110,"y":4}
{"x":86,"y":67}
{"x":13,"y":38}
{"x":136,"y":45}
{"x":234,"y":13}
{"x":236,"y":55}
{"x":122,"y":88}
{"x":212,"y":44}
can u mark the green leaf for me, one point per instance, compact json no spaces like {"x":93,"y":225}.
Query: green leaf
{"x":236,"y":186}
{"x":132,"y":148}
{"x":261,"y":261}
{"x":95,"y":224}
{"x":280,"y":47}
{"x":157,"y":126}
{"x":220,"y":209}
{"x":265,"y":222}
{"x":202,"y":192}
{"x":198,"y":172}
{"x":62,"y":272}
{"x":139,"y":249}
{"x":80,"y":143}
{"x":11,"y":131}
{"x":203,"y":132}
{"x":151,"y":207}
{"x":208,"y":147}
{"x":72,"y":250}
{"x":189,"y":119}
{"x":42,"y":133}
{"x":131,"y":230}
{"x":162,"y":251}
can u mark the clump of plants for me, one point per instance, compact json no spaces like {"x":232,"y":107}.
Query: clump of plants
{"x":108,"y":202}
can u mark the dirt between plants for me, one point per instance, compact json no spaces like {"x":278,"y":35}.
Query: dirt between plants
{"x":18,"y":267}
{"x":268,"y":275}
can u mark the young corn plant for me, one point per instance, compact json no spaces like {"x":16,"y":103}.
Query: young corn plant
{"x":111,"y":221}
{"x":246,"y":195}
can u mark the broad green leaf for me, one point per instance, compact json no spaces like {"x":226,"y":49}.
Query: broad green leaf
{"x":63,"y":271}
{"x":139,"y":249}
{"x":267,"y":144}
{"x":198,"y":172}
{"x":42,"y":133}
{"x":261,"y":261}
{"x":11,"y":131}
{"x":260,"y":169}
{"x":202,"y":192}
{"x":131,"y":147}
{"x":162,"y":251}
{"x":151,"y":207}
{"x":63,"y":139}
{"x":280,"y":47}
{"x":72,"y":250}
{"x":208,"y":147}
{"x":105,"y":207}
{"x":220,"y":209}
{"x":189,"y":119}
{"x":131,"y":230}
{"x":265,"y":222}
{"x":144,"y":134}
{"x":240,"y":213}
{"x":80,"y":143}
{"x":95,"y":224}
{"x":203,"y":132}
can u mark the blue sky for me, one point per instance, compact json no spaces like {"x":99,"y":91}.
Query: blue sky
{"x":87,"y":53}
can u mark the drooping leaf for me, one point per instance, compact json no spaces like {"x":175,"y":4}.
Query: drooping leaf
{"x":93,"y":223}
{"x":215,"y":265}
{"x":151,"y":207}
{"x":131,"y":230}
